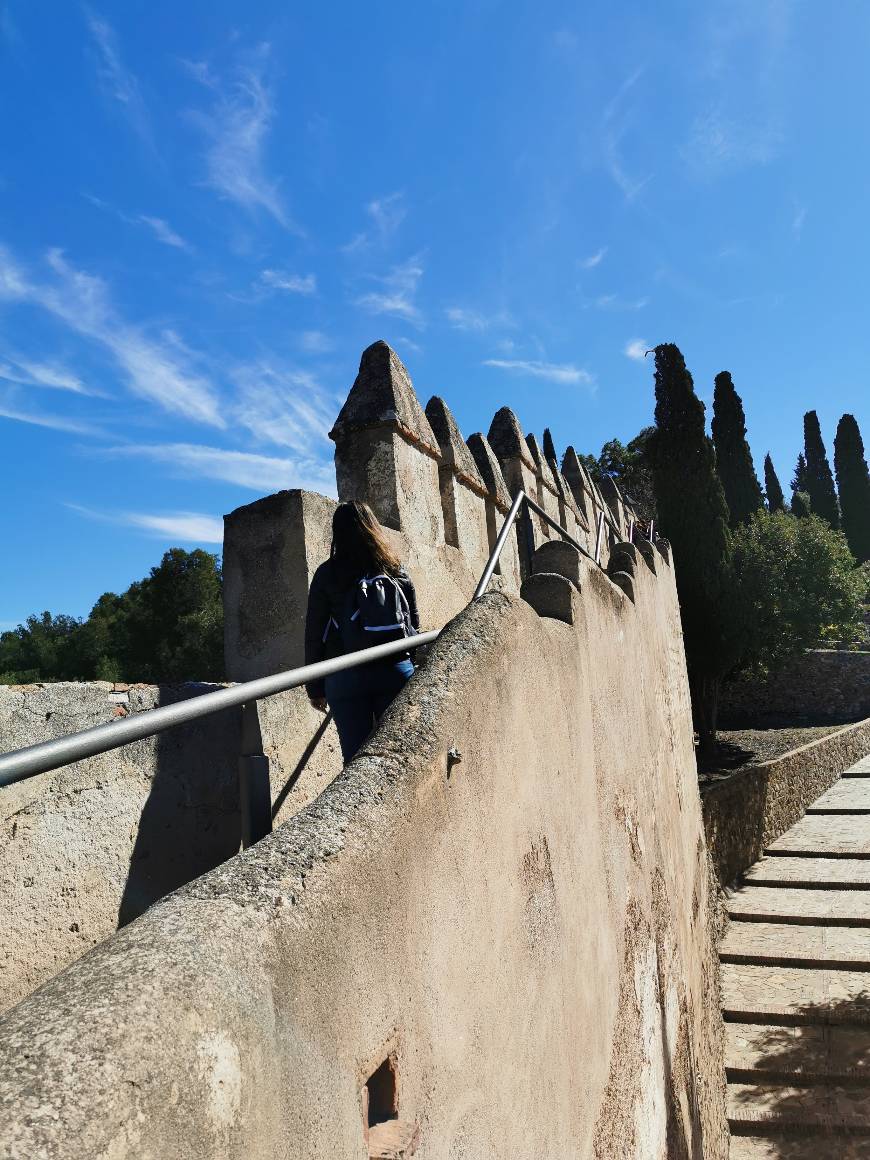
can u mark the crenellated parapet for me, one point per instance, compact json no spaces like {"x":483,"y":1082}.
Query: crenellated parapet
{"x":443,"y":500}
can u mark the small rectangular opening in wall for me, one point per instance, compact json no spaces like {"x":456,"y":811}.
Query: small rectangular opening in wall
{"x":382,"y":1091}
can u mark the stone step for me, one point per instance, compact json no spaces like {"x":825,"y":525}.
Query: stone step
{"x":822,"y":873}
{"x":797,"y":945}
{"x":804,"y":1054}
{"x":754,"y":993}
{"x":851,"y":794}
{"x":777,"y":1146}
{"x":859,"y":769}
{"x":818,"y":1110}
{"x":815,"y":907}
{"x":825,"y":836}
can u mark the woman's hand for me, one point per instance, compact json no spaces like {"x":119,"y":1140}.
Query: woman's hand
{"x":319,"y":703}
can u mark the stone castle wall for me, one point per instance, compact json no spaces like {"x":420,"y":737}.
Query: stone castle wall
{"x":822,"y":685}
{"x":506,"y":893}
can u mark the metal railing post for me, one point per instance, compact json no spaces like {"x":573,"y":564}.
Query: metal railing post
{"x":631,"y":532}
{"x":255,"y":789}
{"x":599,"y":535}
{"x":652,"y":531}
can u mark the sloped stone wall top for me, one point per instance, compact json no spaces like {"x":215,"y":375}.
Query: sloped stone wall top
{"x":506,"y":438}
{"x":382,"y":394}
{"x":490,"y":470}
{"x":454,"y":451}
{"x":541,"y":465}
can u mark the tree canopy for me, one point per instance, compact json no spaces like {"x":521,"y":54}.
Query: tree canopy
{"x":733,"y":457}
{"x":775,"y":498}
{"x":693,"y":514}
{"x":166,"y":627}
{"x":797,"y":586}
{"x":819,"y":480}
{"x":629,"y":465}
{"x":853,"y":484}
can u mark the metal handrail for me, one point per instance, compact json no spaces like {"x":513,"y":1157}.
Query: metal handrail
{"x":48,"y":755}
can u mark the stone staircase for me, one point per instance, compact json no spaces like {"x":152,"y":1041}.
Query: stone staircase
{"x":796,"y":987}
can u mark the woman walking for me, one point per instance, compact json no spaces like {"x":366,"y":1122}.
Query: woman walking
{"x":359,"y":597}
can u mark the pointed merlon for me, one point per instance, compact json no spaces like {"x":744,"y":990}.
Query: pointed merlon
{"x":575,"y":477}
{"x":611,"y":494}
{"x":382,"y":396}
{"x":550,"y":449}
{"x":490,"y":470}
{"x":506,"y":438}
{"x":542,"y":467}
{"x":454,"y":450}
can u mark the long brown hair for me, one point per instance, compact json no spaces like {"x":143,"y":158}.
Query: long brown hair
{"x":359,"y":546}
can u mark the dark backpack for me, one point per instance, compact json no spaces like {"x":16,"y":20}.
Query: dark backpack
{"x":376,"y":612}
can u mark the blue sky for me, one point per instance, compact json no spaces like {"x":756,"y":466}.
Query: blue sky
{"x":208,"y":209}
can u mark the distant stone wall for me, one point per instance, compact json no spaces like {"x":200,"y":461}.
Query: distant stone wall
{"x":89,"y":847}
{"x":820,"y":686}
{"x":746,"y":812}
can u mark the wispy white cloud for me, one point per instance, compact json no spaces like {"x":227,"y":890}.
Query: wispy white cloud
{"x":397,"y":293}
{"x":263,"y":473}
{"x":54,"y":422}
{"x":463,"y":318}
{"x":163,"y":232}
{"x":184,"y":527}
{"x":593,"y":260}
{"x":161,"y":229}
{"x":616,"y":123}
{"x":162,"y":372}
{"x":291,"y":283}
{"x":636,"y":349}
{"x":563,"y":373}
{"x":798,"y":219}
{"x":315,"y":342}
{"x":614,"y":302}
{"x":237,"y":128}
{"x":117,"y":80}
{"x":743,"y":104}
{"x":386,"y":214}
{"x":284,"y":405}
{"x":43,"y":374}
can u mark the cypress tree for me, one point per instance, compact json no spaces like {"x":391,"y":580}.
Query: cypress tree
{"x":800,"y":505}
{"x":853,"y":484}
{"x":775,"y":498}
{"x":693,"y":514}
{"x":820,"y":482}
{"x":799,"y":480}
{"x":733,"y":457}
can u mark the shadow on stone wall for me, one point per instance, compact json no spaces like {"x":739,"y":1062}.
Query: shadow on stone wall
{"x":190,"y":821}
{"x":301,"y":765}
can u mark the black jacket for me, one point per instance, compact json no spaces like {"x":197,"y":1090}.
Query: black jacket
{"x":327,"y":599}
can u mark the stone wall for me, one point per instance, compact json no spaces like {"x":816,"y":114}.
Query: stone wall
{"x":505,"y":894}
{"x":89,"y":847}
{"x":746,"y":812}
{"x":820,"y":686}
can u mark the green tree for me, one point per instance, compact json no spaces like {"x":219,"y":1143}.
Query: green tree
{"x":797,"y":585}
{"x":733,"y":457}
{"x":693,"y":515}
{"x":166,"y":627}
{"x":800,"y":505}
{"x":799,"y":479}
{"x":775,"y":498}
{"x":820,"y":482}
{"x":853,"y":484}
{"x":628,"y":464}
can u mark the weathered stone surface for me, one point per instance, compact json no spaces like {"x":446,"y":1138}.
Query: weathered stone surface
{"x":550,"y":594}
{"x":822,"y":685}
{"x":779,"y":904}
{"x":562,"y":558}
{"x":824,"y":871}
{"x":780,"y":943}
{"x":647,"y":553}
{"x":382,"y":394}
{"x":826,"y":834}
{"x":625,"y":581}
{"x":454,"y":450}
{"x":236,"y":1018}
{"x":93,"y":844}
{"x":272,"y":548}
{"x":803,"y":994}
{"x":849,"y":795}
{"x":393,"y":1140}
{"x":490,"y":470}
{"x":506,"y":438}
{"x":749,"y":811}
